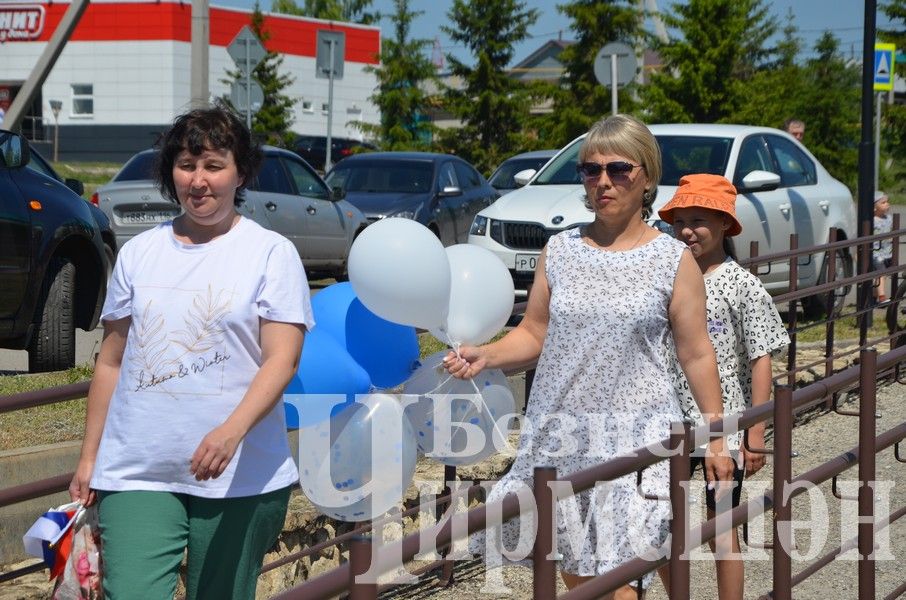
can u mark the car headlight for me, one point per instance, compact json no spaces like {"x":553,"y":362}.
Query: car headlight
{"x":405,"y":214}
{"x":663,"y":226}
{"x":479,"y":226}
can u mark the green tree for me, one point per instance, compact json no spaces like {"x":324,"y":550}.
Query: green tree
{"x":271,"y":124}
{"x":335,"y":10}
{"x":493,"y":106}
{"x":706,"y":70}
{"x":400,"y":95}
{"x":832,"y":96}
{"x":580,"y":99}
{"x":778,"y":90}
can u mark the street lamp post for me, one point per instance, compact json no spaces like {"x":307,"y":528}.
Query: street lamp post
{"x":55,"y":106}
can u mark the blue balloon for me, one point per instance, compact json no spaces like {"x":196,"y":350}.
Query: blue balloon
{"x":325,"y":368}
{"x":387,"y":351}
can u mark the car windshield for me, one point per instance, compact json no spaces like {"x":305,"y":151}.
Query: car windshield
{"x":503,"y":176}
{"x":139,"y":167}
{"x":685,"y":154}
{"x":681,"y":155}
{"x":406,"y":177}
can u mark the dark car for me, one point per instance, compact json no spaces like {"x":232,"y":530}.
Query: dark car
{"x":503,"y":176}
{"x":53,"y":260}
{"x":440,"y":191}
{"x":313,"y":148}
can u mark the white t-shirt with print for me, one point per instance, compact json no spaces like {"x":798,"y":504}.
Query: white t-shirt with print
{"x":743,"y":324}
{"x":192,"y":350}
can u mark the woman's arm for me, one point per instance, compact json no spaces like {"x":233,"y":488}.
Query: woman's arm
{"x":106,"y":374}
{"x":695,"y":353}
{"x":519,"y":348}
{"x":281,"y":347}
{"x":761,"y":394}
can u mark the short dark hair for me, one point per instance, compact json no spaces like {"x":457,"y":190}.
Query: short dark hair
{"x":200,"y":129}
{"x":792,"y":121}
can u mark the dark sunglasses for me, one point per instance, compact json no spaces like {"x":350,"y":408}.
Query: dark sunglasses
{"x":617,"y":168}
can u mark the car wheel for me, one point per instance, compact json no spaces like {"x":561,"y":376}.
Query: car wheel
{"x":52,"y":346}
{"x":815,"y":307}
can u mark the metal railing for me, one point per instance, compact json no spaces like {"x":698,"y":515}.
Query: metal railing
{"x":364,"y":558}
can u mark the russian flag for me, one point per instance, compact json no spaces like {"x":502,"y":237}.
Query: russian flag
{"x":50,"y":537}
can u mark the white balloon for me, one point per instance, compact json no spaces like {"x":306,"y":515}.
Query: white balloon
{"x":481,"y":296}
{"x":358,"y":464}
{"x":400,"y":272}
{"x":454,"y":424}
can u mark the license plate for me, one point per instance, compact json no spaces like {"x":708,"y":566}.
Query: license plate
{"x":526,"y":262}
{"x":140,"y":217}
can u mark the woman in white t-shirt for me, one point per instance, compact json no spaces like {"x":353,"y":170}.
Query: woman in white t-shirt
{"x":185,"y":442}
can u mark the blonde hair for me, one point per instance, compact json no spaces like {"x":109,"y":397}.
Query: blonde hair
{"x":627,"y":136}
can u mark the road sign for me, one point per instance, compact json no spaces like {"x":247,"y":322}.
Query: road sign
{"x":885,"y":57}
{"x":246,"y":50}
{"x":627,"y":63}
{"x":242,"y":97}
{"x":326,"y":60}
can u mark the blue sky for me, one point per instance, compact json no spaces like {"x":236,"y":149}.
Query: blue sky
{"x":843,"y":17}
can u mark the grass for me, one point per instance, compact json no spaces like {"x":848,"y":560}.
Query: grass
{"x":92,"y":174}
{"x":48,"y":424}
{"x":847,"y":328}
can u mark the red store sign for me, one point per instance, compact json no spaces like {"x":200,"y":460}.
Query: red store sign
{"x":21,"y":22}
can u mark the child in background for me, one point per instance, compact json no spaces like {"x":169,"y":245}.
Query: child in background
{"x":745,"y":329}
{"x":882,"y":256}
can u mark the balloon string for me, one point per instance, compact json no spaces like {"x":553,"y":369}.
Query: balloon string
{"x":456,"y":346}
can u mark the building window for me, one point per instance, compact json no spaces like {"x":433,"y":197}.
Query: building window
{"x":324,"y":107}
{"x":82,"y":100}
{"x":307,"y":106}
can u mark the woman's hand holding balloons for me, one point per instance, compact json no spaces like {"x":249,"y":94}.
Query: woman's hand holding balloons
{"x":467,"y":364}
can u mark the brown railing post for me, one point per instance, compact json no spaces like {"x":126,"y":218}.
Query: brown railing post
{"x":895,"y":281}
{"x":864,"y":296}
{"x":680,"y":446}
{"x":544,"y":582}
{"x":793,"y":318}
{"x":446,"y":574}
{"x":830,"y":305}
{"x":868,"y":383}
{"x":359,"y":563}
{"x":783,"y":473}
{"x":753,"y":254}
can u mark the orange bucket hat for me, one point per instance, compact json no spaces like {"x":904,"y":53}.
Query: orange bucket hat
{"x":704,"y":190}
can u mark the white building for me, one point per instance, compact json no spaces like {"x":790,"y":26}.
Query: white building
{"x":125,"y":73}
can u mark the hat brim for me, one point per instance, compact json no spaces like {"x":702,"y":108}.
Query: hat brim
{"x":666,"y":214}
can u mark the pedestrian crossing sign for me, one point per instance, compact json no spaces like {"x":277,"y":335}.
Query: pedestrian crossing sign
{"x":884,"y":62}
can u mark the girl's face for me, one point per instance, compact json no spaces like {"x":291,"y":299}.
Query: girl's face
{"x":701,"y":229}
{"x":617,"y":190}
{"x":882,"y":207}
{"x":206,"y":185}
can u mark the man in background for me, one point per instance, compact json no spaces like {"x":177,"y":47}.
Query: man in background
{"x":795,"y":128}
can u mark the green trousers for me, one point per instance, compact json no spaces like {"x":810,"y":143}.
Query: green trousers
{"x":145,"y":534}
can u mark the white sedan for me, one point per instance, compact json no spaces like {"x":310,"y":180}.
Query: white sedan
{"x":783,"y":189}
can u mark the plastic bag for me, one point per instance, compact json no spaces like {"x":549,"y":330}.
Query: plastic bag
{"x":81,"y":576}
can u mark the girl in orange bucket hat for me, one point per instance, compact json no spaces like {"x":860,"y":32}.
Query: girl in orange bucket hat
{"x":745,"y":329}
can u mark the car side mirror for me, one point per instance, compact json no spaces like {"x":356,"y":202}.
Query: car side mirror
{"x":75,"y":185}
{"x":758,"y":181}
{"x":14,"y":149}
{"x":337,"y":193}
{"x":449,"y":190}
{"x":522,"y":177}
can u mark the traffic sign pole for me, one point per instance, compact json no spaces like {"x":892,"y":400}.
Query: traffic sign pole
{"x":329,"y":142}
{"x":248,"y":88}
{"x":613,"y":83}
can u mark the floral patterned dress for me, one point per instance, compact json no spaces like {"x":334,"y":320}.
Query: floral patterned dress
{"x":603,"y":387}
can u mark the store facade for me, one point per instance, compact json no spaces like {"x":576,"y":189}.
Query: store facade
{"x":125,"y":73}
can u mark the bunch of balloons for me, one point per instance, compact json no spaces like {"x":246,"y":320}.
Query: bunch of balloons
{"x":462,"y":294}
{"x":357,"y":452}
